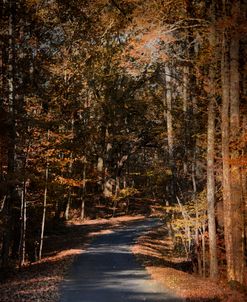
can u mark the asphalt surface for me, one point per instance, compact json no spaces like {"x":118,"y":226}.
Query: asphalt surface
{"x":109,"y":272}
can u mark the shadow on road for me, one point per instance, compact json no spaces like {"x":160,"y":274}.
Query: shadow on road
{"x":108,"y":271}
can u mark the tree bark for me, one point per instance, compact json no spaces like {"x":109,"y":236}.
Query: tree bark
{"x":169,"y":123}
{"x":83,"y":192}
{"x":67,"y":208}
{"x":211,"y":190}
{"x":236,"y":185}
{"x":44,"y":212}
{"x":210,"y":159}
{"x":185,"y":113}
{"x":169,"y":118}
{"x":225,"y":83}
{"x":244,"y":182}
{"x":22,"y":248}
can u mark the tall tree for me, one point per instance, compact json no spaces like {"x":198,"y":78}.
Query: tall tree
{"x":211,"y":152}
{"x":232,"y":195}
{"x":236,"y":187}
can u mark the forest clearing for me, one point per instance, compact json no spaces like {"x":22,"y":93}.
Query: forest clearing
{"x":120,"y":110}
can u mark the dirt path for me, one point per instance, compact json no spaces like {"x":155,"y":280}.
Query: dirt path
{"x":108,"y":271}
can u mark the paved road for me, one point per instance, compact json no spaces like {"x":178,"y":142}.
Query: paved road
{"x":109,"y":272}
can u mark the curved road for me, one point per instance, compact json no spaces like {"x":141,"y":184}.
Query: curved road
{"x":109,"y":272}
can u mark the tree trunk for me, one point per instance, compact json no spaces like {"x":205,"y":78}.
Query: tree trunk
{"x":211,"y":190}
{"x":67,"y":208}
{"x":225,"y":83}
{"x":203,"y":250}
{"x":169,"y":122}
{"x":210,"y":159}
{"x":169,"y":119}
{"x":236,"y":186}
{"x":22,"y":248}
{"x":197,"y":225}
{"x":44,"y":213}
{"x":83,"y":193}
{"x":244,"y":182}
{"x":185,"y":112}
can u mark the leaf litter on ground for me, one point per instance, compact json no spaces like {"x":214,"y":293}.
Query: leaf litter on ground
{"x":39,"y":281}
{"x":156,"y":251}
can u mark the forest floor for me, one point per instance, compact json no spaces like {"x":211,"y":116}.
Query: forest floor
{"x":40,"y":281}
{"x":155,"y":250}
